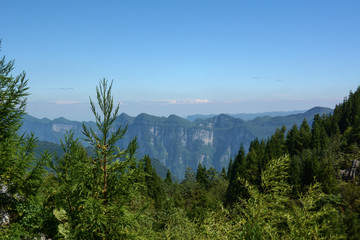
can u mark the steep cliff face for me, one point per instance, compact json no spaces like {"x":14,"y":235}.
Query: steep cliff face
{"x":177,"y":143}
{"x":52,"y":131}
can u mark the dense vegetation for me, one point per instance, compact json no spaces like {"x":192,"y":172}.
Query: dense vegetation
{"x":286,"y":187}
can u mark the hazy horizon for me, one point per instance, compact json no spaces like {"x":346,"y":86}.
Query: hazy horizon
{"x":249,"y":117}
{"x":184,"y":57}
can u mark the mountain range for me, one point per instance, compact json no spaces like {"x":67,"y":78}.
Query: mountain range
{"x":176,"y":142}
{"x":246,"y":116}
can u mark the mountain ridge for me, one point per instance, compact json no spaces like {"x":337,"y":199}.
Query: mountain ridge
{"x":245,"y":116}
{"x":177,"y":142}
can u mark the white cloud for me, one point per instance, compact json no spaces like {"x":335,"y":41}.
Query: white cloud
{"x":185,"y":101}
{"x":201,"y":101}
{"x":173,"y":101}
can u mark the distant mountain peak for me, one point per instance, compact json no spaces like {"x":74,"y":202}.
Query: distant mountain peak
{"x":319,"y":110}
{"x":124,"y":115}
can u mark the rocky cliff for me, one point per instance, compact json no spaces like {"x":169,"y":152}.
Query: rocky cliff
{"x":178,"y":143}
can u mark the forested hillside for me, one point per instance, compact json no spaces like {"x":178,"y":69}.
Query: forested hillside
{"x":287,"y":186}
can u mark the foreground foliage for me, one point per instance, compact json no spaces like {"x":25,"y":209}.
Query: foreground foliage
{"x":91,"y":194}
{"x":20,"y":172}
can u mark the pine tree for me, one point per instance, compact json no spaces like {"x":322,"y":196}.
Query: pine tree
{"x":168,"y":179}
{"x":20,"y":172}
{"x":102,"y":186}
{"x":319,"y":137}
{"x":254,"y":160}
{"x":202,"y":176}
{"x":153,"y":183}
{"x":347,"y":114}
{"x":236,"y":189}
{"x":212,"y":176}
{"x":70,"y":182}
{"x":223,"y":174}
{"x":293,"y":141}
{"x":230,"y":168}
{"x":295,"y":174}
{"x":189,"y":175}
{"x":272,"y":214}
{"x":275,"y":146}
{"x":309,"y":167}
{"x":305,"y":135}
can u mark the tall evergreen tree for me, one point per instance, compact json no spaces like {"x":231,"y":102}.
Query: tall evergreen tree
{"x":189,"y":175}
{"x":318,"y":133}
{"x":295,"y":174}
{"x":202,"y":176}
{"x":20,"y":172}
{"x":309,"y":167}
{"x":293,"y":141}
{"x":272,"y":213}
{"x":236,"y":189}
{"x":212,"y":176}
{"x":253,"y":167}
{"x":223,"y":173}
{"x":276,"y":145}
{"x":347,"y":114}
{"x":230,"y":168}
{"x":105,"y":183}
{"x":168,"y":179}
{"x":71,"y":183}
{"x":153,"y":183}
{"x":305,"y":135}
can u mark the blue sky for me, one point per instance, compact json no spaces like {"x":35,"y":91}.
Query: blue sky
{"x":184,"y":57}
